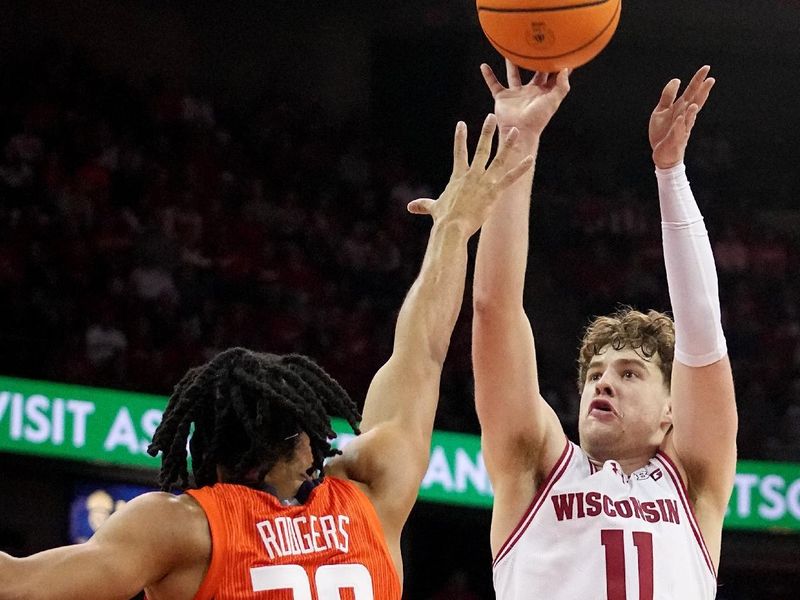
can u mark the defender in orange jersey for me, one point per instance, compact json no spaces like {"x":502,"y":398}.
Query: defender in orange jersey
{"x":266,"y":518}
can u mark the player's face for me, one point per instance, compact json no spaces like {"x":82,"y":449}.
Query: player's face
{"x":303,"y":459}
{"x":288,"y":474}
{"x":624,"y":405}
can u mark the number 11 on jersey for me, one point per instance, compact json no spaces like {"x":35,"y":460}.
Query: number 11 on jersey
{"x":614,"y":542}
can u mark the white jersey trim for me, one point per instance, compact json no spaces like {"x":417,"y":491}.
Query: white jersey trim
{"x":538,"y":499}
{"x":672,"y":471}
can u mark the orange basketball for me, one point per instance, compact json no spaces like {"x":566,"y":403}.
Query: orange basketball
{"x":549,"y":35}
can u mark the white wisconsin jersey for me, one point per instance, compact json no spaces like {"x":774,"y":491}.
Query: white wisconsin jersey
{"x":596,"y":534}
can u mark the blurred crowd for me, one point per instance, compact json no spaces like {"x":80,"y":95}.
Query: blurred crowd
{"x":144,"y":230}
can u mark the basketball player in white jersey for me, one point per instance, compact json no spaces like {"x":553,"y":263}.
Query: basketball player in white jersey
{"x":635,"y":512}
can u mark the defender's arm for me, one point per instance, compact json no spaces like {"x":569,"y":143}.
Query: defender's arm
{"x":137,"y":546}
{"x":391,"y":455}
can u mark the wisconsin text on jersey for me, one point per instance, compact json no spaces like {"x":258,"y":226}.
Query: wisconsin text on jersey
{"x":287,"y":536}
{"x":592,"y":504}
{"x":579,"y":505}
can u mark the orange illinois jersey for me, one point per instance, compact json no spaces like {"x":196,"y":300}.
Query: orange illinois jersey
{"x":329,"y":548}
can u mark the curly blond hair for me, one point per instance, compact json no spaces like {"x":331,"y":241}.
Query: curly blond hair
{"x":649,"y":334}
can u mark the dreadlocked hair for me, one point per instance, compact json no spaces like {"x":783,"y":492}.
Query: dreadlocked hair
{"x":648,"y":334}
{"x":244,"y":410}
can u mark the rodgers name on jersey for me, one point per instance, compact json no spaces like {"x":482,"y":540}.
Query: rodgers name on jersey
{"x":306,"y":534}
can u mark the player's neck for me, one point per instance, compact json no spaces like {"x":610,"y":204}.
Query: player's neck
{"x":628,"y":463}
{"x":280,"y":481}
{"x":285,"y":480}
{"x":281,"y":488}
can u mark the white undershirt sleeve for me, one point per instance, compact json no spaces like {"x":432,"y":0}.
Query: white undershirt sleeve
{"x":691,"y":273}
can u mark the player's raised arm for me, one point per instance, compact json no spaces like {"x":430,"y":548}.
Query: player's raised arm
{"x":521,"y":434}
{"x":139,"y":545}
{"x":391,"y":455}
{"x":703,"y":404}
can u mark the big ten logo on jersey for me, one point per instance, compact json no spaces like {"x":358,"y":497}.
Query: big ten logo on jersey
{"x":643,"y":474}
{"x":287,"y":536}
{"x":640,"y":475}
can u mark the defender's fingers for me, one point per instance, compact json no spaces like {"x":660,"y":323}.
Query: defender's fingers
{"x":512,"y":75}
{"x":421,"y":206}
{"x":501,"y":159}
{"x":495,"y":87}
{"x":460,"y":153}
{"x":484,"y":147}
{"x":511,"y":176}
{"x":669,"y":94}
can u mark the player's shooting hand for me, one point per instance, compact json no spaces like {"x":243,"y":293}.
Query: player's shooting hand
{"x":673,"y":119}
{"x":530,"y":106}
{"x":473,"y":188}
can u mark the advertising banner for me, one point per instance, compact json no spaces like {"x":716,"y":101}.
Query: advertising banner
{"x":113,"y":427}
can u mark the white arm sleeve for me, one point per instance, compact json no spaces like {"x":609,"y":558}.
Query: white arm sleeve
{"x":691,"y":273}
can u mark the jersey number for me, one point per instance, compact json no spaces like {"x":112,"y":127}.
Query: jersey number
{"x":329,"y":579}
{"x":614,"y":542}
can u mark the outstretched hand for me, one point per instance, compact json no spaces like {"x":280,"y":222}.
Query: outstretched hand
{"x":530,"y":106}
{"x":672,"y":120}
{"x":474,"y":188}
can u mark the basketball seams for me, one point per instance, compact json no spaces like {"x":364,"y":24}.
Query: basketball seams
{"x":540,"y":10}
{"x":549,"y":35}
{"x":555,"y":56}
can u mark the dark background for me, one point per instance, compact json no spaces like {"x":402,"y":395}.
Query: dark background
{"x":179,"y":177}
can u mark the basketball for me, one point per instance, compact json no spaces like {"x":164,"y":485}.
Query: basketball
{"x":549,"y":35}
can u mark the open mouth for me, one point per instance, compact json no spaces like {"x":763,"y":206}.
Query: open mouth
{"x":602,"y":406}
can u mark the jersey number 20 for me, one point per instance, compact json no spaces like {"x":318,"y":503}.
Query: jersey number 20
{"x":329,"y":579}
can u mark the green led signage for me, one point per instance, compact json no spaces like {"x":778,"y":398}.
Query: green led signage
{"x":113,"y":427}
